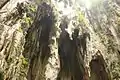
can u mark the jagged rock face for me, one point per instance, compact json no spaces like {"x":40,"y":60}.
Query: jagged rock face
{"x":37,"y":42}
{"x":13,"y":66}
{"x":104,"y":21}
{"x":42,"y":48}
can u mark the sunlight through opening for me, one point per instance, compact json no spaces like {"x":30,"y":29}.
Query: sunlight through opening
{"x":65,"y":10}
{"x":88,"y":4}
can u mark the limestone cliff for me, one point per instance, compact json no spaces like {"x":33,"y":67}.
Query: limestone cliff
{"x":59,"y":40}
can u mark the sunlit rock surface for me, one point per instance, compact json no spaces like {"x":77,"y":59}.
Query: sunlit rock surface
{"x":13,"y":66}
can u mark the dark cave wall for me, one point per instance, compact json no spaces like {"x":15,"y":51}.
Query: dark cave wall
{"x":71,"y":65}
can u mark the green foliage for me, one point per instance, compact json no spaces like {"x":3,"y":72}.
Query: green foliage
{"x":20,"y":30}
{"x":24,"y":61}
{"x":27,"y":20}
{"x":28,"y":17}
{"x":32,"y":8}
{"x":81,"y":17}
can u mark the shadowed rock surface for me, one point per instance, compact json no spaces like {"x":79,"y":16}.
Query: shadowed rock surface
{"x":98,"y":68}
{"x":71,"y":60}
